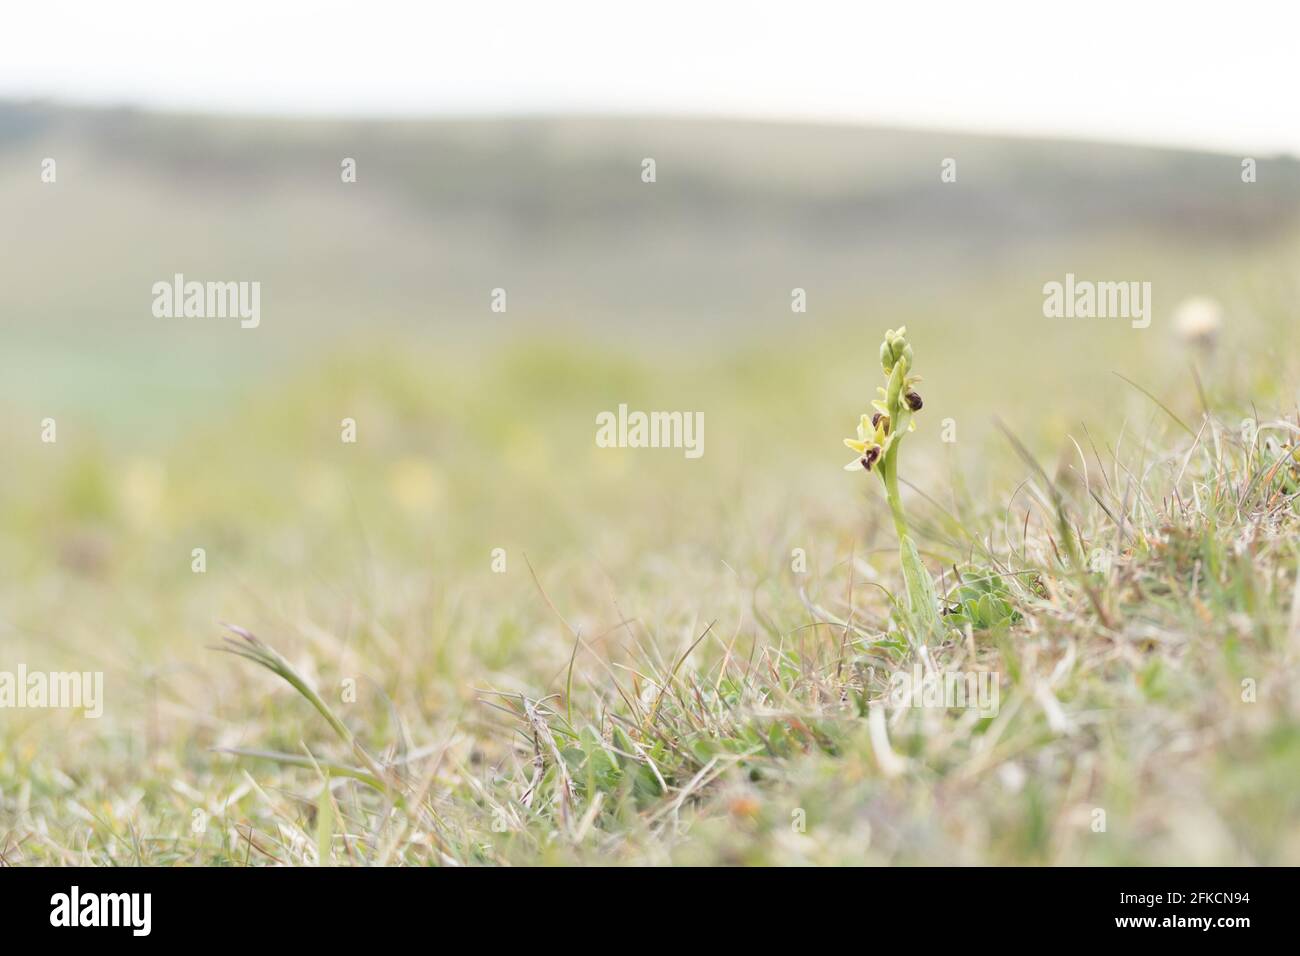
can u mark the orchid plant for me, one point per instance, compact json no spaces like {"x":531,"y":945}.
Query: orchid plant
{"x":879,"y":436}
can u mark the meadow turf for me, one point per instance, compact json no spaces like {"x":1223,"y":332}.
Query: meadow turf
{"x":651,"y":673}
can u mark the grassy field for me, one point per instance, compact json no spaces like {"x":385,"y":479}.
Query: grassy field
{"x":475,"y":637}
{"x":649,"y":675}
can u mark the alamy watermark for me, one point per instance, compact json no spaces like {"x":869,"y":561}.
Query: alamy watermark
{"x":75,"y":908}
{"x":626,"y":429}
{"x":978,"y":690}
{"x":1084,"y":299}
{"x":208,"y":300}
{"x":23,"y":689}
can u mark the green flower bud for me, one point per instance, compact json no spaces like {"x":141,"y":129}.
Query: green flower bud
{"x":894,"y":349}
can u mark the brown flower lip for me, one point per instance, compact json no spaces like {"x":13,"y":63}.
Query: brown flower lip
{"x":875,"y":421}
{"x":913,"y":401}
{"x":870,"y":457}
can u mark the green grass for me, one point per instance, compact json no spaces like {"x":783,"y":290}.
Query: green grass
{"x":651,"y":680}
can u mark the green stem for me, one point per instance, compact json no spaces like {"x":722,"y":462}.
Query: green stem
{"x":921,"y":599}
{"x":889,"y":472}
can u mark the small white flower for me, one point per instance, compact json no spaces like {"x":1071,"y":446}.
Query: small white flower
{"x":1198,"y":320}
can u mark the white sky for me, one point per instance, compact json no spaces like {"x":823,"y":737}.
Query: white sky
{"x":1220,"y":76}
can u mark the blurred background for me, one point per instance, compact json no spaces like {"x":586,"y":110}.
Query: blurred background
{"x":503,"y":147}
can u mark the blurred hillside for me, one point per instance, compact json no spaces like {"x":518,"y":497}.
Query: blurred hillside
{"x":555,"y":212}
